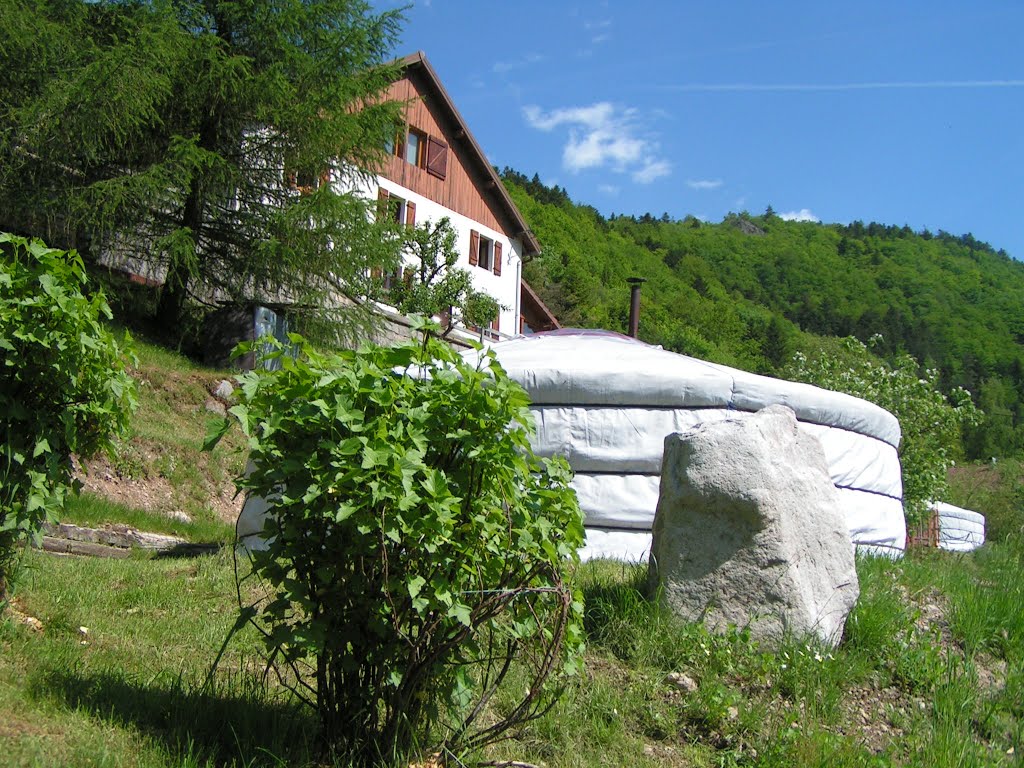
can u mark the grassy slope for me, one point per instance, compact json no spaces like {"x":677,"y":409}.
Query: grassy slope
{"x":931,"y":672}
{"x":160,"y":468}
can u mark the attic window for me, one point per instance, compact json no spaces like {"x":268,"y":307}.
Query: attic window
{"x":418,"y":148}
{"x":415,"y":147}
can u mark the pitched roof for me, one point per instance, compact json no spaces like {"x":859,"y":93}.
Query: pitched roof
{"x":540,"y":317}
{"x":492,"y":184}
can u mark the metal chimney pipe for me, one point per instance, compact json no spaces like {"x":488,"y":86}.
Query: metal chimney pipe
{"x":634,"y":304}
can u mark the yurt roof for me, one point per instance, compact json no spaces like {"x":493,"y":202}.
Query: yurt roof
{"x":599,"y":368}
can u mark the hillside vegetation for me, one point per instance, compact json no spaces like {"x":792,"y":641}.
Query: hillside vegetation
{"x":750,"y":291}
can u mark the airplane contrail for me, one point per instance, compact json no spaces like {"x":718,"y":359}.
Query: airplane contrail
{"x":810,"y":87}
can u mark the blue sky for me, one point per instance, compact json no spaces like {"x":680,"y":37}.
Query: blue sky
{"x":898,"y":112}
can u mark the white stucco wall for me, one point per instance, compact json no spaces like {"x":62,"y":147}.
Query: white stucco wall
{"x":503,"y":288}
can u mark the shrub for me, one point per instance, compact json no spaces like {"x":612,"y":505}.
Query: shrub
{"x":930,"y":421}
{"x":417,"y":551}
{"x":63,"y":385}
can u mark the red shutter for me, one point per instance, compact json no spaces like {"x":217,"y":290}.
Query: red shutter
{"x":382,"y":203}
{"x":474,"y":247}
{"x":410,"y":214}
{"x":437,"y":157}
{"x":497,"y":258}
{"x":496,"y":324}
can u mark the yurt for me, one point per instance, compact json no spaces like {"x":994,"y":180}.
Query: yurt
{"x":960,"y":530}
{"x":606,"y":402}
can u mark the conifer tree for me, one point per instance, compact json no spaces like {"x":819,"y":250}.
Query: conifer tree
{"x":197,"y":134}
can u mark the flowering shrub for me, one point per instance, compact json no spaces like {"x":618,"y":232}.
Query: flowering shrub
{"x":417,"y":551}
{"x":930,"y":421}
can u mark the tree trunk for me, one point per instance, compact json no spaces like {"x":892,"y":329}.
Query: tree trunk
{"x":171,"y":308}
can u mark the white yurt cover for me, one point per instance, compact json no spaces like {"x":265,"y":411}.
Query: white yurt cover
{"x":606,"y":402}
{"x":960,"y":530}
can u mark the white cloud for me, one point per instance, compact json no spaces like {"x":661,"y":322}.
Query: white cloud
{"x":832,"y":87}
{"x":520,"y":63}
{"x":609,"y":189}
{"x":703,"y":184}
{"x":804,"y":214}
{"x":600,"y":135}
{"x":599,"y":31}
{"x":652,"y":170}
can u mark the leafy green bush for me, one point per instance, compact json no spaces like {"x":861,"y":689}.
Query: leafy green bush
{"x":417,"y":552}
{"x":63,"y":385}
{"x":930,"y":421}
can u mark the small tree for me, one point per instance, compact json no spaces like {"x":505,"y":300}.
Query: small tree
{"x":929,"y":421}
{"x":417,"y":550}
{"x":435,"y":285}
{"x":63,"y":385}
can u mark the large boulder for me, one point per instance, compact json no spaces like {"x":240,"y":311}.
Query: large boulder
{"x":749,"y":530}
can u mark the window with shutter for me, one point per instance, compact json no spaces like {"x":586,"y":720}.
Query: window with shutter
{"x":437,"y":157}
{"x":497,"y":259}
{"x":416,"y":147}
{"x":382,"y":203}
{"x":304,"y":181}
{"x":474,"y":247}
{"x":410,"y":214}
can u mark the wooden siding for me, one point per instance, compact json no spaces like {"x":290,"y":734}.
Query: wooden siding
{"x":464,"y":188}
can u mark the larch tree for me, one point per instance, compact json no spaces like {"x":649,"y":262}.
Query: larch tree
{"x":196,"y":135}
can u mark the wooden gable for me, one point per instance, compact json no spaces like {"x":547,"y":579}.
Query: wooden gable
{"x":449,"y":168}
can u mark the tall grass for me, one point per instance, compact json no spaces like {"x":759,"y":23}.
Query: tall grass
{"x":92,"y":510}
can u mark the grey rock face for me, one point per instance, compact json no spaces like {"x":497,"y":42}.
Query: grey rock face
{"x":749,"y":530}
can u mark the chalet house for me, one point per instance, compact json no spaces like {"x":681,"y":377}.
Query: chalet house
{"x":436,"y":169}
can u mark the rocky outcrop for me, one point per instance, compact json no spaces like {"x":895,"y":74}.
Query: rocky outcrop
{"x":749,"y":530}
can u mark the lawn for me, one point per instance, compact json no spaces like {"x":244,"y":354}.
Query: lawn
{"x":930,"y":673}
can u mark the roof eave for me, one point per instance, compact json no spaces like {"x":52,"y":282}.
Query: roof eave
{"x":531,"y":246}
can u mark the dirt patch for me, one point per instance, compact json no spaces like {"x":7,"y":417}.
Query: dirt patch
{"x":875,"y":717}
{"x":14,"y":611}
{"x":153,"y":493}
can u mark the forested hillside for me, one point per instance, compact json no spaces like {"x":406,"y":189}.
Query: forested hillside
{"x":752,"y":290}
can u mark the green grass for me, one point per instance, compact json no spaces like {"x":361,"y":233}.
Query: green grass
{"x":130,"y":690}
{"x":91,"y":510}
{"x":135,"y":694}
{"x":160,"y":464}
